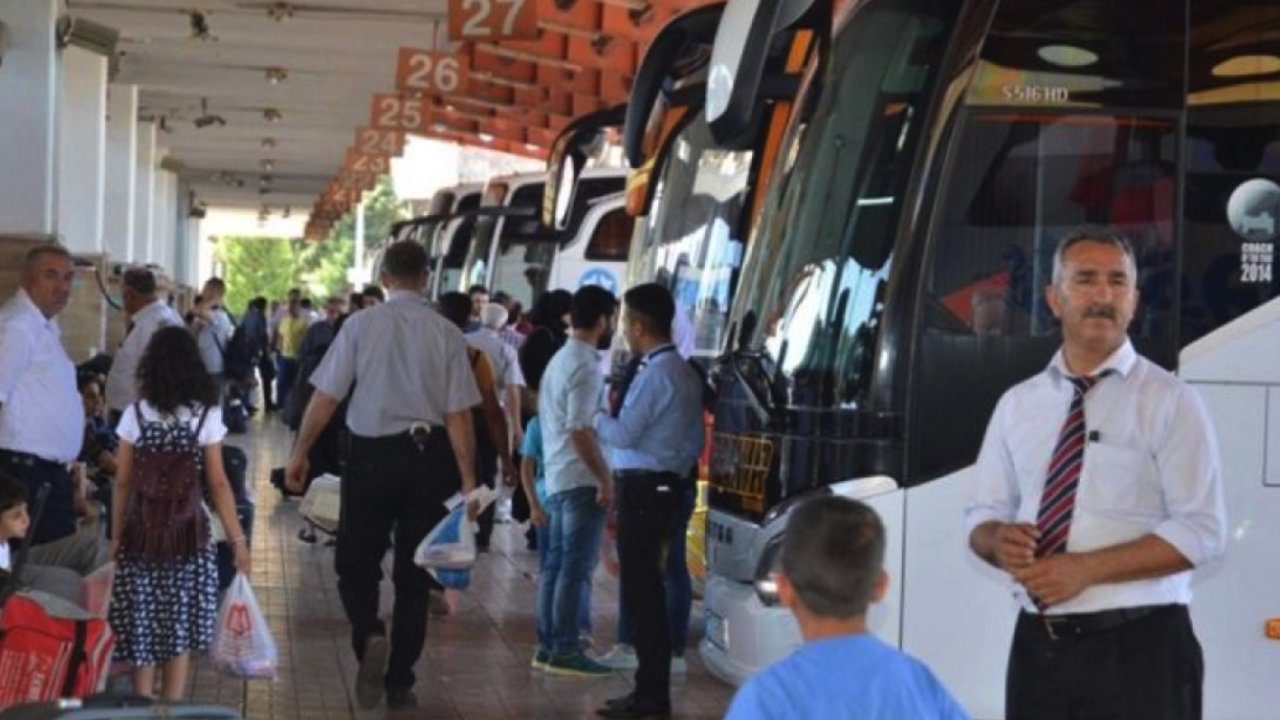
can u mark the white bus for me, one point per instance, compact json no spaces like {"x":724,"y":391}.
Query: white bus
{"x":942,"y":149}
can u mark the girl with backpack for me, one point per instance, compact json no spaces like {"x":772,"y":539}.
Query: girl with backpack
{"x":165,"y":600}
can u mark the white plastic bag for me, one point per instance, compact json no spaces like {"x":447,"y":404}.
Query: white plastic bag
{"x":449,"y":550}
{"x":242,"y":643}
{"x":323,"y":502}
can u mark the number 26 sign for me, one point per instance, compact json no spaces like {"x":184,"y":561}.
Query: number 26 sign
{"x":430,"y":72}
{"x":493,"y":19}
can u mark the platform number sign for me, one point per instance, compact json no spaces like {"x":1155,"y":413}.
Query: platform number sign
{"x":493,"y":19}
{"x":393,"y":112}
{"x":358,"y":162}
{"x":428,"y":71}
{"x":378,"y":141}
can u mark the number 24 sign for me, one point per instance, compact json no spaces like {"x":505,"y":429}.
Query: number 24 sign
{"x":493,"y":19}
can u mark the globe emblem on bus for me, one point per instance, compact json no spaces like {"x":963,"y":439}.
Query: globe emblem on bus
{"x":1254,"y":210}
{"x":601,"y":277}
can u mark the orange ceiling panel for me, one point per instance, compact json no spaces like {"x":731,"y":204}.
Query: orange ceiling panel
{"x":583,"y":15}
{"x":583,"y":81}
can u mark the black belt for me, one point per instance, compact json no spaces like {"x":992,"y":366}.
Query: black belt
{"x":22,"y":458}
{"x":647,"y":475}
{"x":417,"y":436}
{"x":1078,"y":625}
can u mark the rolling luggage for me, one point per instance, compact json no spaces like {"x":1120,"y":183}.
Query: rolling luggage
{"x":116,"y":708}
{"x":236,"y":464}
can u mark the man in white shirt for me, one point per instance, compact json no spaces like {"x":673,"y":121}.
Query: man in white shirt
{"x":213,"y":327}
{"x":1098,"y":489}
{"x":145,"y":313}
{"x":41,"y":416}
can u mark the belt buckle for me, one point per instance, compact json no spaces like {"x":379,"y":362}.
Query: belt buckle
{"x":1051,"y":625}
{"x":419,"y":432}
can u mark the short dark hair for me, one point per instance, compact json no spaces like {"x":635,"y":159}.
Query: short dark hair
{"x":47,"y":248}
{"x":374,"y":291}
{"x":456,"y":308}
{"x":1093,"y":233}
{"x":140,"y":280}
{"x":591,"y":303}
{"x":404,"y":260}
{"x":171,"y":373}
{"x":652,"y":306}
{"x":355,"y":301}
{"x":12,"y":492}
{"x":258,"y":303}
{"x":477,"y":289}
{"x":306,"y":303}
{"x":217,"y":284}
{"x":832,"y":553}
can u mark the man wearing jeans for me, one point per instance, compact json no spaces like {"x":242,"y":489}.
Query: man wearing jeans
{"x":579,"y":485}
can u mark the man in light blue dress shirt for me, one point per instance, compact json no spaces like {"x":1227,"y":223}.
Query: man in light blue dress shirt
{"x":653,"y":443}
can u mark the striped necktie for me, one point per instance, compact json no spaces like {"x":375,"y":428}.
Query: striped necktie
{"x":1058,"y":501}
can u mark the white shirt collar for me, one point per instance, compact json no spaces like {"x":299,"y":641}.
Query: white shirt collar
{"x":30,"y":306}
{"x":1120,"y":362}
{"x":400,"y":295}
{"x":152,"y":308}
{"x":590,"y":348}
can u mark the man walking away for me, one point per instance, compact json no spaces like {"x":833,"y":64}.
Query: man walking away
{"x":411,"y":450}
{"x":213,"y":327}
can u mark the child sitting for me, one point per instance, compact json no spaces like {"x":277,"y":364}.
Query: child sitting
{"x":55,"y":568}
{"x":831,"y":571}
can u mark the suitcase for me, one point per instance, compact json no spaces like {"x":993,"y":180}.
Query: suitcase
{"x":51,"y":649}
{"x":236,"y":464}
{"x":104,"y":707}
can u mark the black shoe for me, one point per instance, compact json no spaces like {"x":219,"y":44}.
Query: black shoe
{"x":399,"y":698}
{"x":373,"y":666}
{"x":620,"y":701}
{"x":632,"y":708}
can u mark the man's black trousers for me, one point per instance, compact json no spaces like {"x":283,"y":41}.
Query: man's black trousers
{"x":1149,"y":668}
{"x":647,"y":506}
{"x":392,"y":490}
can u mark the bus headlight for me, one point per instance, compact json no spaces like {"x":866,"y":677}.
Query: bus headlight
{"x":766,"y":575}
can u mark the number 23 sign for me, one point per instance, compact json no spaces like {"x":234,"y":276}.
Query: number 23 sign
{"x":493,"y":19}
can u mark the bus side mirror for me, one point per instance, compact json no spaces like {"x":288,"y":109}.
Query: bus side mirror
{"x":742,"y":44}
{"x":583,"y":139}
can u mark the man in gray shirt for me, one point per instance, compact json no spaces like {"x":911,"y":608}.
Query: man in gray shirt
{"x":579,"y":486}
{"x":411,"y":449}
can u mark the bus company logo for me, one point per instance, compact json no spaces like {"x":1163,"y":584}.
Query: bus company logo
{"x":601,"y":277}
{"x":1254,"y":210}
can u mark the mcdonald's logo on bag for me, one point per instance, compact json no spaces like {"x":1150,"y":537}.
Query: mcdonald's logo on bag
{"x":238,"y":619}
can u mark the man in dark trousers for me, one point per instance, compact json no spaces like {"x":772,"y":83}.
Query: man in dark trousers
{"x":653,"y":444}
{"x":1098,"y":489}
{"x":41,"y":415}
{"x":411,"y":449}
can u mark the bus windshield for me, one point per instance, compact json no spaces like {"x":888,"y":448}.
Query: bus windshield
{"x":815,"y":278}
{"x":691,"y":241}
{"x":523,"y":267}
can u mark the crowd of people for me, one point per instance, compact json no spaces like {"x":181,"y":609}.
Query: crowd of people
{"x":434,"y":399}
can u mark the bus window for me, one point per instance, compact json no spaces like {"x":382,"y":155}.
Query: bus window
{"x":611,"y":238}
{"x":1018,"y":182}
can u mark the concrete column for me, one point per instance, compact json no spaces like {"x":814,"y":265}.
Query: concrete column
{"x":118,"y":212}
{"x":144,"y":195}
{"x":163,"y":221}
{"x":82,"y":145}
{"x":29,"y":101}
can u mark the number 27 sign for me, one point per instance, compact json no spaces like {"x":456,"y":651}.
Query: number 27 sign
{"x":493,"y":19}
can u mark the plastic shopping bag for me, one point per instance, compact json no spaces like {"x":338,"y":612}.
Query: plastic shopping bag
{"x":322,"y":505}
{"x":242,"y":643}
{"x":449,"y":550}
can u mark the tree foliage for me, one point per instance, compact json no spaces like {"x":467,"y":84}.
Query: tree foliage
{"x":269,"y":266}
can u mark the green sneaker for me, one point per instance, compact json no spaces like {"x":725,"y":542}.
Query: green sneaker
{"x":576,"y":665}
{"x":540,"y":659}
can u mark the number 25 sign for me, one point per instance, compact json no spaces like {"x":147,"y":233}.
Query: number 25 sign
{"x":493,"y":19}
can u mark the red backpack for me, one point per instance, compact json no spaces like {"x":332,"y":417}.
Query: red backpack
{"x":50,"y":649}
{"x":165,"y":521}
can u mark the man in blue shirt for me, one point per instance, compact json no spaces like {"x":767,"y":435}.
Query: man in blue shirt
{"x":653,"y":444}
{"x":831,"y":570}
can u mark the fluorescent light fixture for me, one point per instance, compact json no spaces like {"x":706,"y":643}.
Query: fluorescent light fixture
{"x":485,"y":137}
{"x":1067,"y":55}
{"x":1245,"y":65}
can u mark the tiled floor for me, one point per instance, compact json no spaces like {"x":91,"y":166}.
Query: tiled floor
{"x":476,"y":665}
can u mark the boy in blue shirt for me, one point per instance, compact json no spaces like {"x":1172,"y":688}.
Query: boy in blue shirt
{"x":831,"y":570}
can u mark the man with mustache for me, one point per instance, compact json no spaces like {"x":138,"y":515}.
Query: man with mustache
{"x":1098,"y":489}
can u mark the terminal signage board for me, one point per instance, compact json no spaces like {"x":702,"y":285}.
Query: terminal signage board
{"x":426,"y":71}
{"x":484,"y":20}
